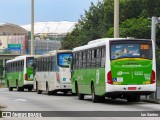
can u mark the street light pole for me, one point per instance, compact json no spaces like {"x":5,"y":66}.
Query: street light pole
{"x":116,"y":18}
{"x":32,"y":27}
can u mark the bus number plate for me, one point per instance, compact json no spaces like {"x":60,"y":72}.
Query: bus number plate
{"x":131,"y":88}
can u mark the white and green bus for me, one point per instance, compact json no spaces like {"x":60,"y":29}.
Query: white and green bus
{"x":19,"y":73}
{"x":53,"y":72}
{"x":114,"y":68}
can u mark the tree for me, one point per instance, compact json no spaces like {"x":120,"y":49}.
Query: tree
{"x":136,"y":27}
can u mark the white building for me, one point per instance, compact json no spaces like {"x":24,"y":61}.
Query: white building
{"x":52,"y":29}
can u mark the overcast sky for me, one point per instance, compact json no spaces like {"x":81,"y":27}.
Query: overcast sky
{"x":19,"y":11}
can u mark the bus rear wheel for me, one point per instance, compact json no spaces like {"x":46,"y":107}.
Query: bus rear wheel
{"x":95,"y":98}
{"x":19,"y":88}
{"x":30,"y":89}
{"x":10,"y":88}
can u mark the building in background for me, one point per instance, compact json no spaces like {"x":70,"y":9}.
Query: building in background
{"x":51,"y":30}
{"x":13,"y":39}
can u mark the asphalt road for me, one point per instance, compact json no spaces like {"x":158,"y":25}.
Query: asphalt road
{"x":31,"y":101}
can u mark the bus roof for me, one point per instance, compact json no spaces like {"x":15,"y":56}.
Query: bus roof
{"x":19,"y":58}
{"x":101,"y":42}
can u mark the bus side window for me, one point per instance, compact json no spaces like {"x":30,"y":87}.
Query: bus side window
{"x":103,"y":57}
{"x":98,"y":58}
{"x":16,"y":66}
{"x":84,"y":62}
{"x":88,"y":59}
{"x":22,"y":65}
{"x":77,"y":61}
{"x":94,"y":55}
{"x":53,"y":64}
{"x":13,"y":67}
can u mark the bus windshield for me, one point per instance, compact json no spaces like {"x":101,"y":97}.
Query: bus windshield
{"x":29,"y":61}
{"x":131,"y":50}
{"x":64,"y":59}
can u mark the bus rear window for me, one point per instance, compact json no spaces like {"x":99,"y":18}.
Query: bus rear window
{"x":64,"y":59}
{"x":29,"y":61}
{"x":133,"y":50}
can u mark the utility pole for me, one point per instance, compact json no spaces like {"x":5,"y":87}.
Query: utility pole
{"x":32,"y":27}
{"x":116,"y":18}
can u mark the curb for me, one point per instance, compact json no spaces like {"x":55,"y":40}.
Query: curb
{"x":152,"y":101}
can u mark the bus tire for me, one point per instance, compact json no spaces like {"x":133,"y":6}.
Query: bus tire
{"x":102,"y":99}
{"x":19,"y":88}
{"x":10,"y":88}
{"x":30,"y":89}
{"x":39,"y":91}
{"x":54,"y":92}
{"x":95,"y":98}
{"x":80,"y":96}
{"x":47,"y":90}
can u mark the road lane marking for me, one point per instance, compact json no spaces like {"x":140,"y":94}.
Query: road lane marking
{"x":20,"y":100}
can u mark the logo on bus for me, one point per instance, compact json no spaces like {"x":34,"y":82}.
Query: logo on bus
{"x":138,"y":72}
{"x":121,"y":73}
